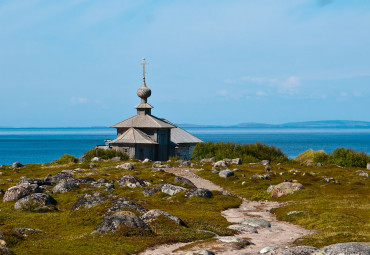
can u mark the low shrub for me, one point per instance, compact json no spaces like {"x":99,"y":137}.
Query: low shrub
{"x":104,"y":154}
{"x":246,"y":152}
{"x":310,"y":156}
{"x":65,"y":159}
{"x":344,"y":157}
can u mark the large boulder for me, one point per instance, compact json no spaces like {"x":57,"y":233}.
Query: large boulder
{"x":184,"y":182}
{"x":198,"y":193}
{"x":221,"y":163}
{"x":89,"y":200}
{"x":127,"y":166}
{"x":113,"y":222}
{"x":226,"y":173}
{"x":16,"y":165}
{"x":171,"y":189}
{"x":345,"y":248}
{"x":152,"y":215}
{"x":64,"y":175}
{"x":17,"y":192}
{"x":122,"y":204}
{"x":65,"y":185}
{"x":130,"y":181}
{"x":36,"y":202}
{"x":286,"y":188}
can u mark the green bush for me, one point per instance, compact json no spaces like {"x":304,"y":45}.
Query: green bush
{"x":246,"y":152}
{"x":104,"y":154}
{"x":345,"y":157}
{"x":65,"y":159}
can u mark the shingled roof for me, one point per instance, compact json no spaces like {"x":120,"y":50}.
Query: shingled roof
{"x":143,"y":121}
{"x":133,"y":136}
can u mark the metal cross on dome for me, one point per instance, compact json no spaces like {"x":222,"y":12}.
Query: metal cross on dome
{"x":143,"y":63}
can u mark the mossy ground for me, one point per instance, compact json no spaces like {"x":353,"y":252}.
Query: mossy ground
{"x":69,"y":233}
{"x":338,"y":212}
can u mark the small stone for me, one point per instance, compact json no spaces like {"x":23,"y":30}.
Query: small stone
{"x":171,"y":189}
{"x":265,"y":162}
{"x":232,"y":239}
{"x":146,"y":160}
{"x":130,"y":181}
{"x":226,"y":173}
{"x":149,"y":192}
{"x":256,"y":222}
{"x":243,"y":228}
{"x":95,"y":159}
{"x":92,"y":165}
{"x":36,"y":202}
{"x":152,"y":215}
{"x":362,"y":173}
{"x":214,"y":171}
{"x":198,"y":193}
{"x":236,"y":161}
{"x":127,"y":166}
{"x":184,"y":181}
{"x":267,"y":169}
{"x":295,"y":212}
{"x":65,"y":186}
{"x":200,"y":252}
{"x":16,"y":165}
{"x":368,"y":166}
{"x":220,"y":163}
{"x":319,"y":164}
{"x":89,"y":200}
{"x":267,"y":249}
{"x":285,"y":188}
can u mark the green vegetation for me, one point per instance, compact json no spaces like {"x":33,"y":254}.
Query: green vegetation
{"x":340,"y":156}
{"x":338,"y":212}
{"x":246,"y":152}
{"x":65,"y":159}
{"x":104,"y":154}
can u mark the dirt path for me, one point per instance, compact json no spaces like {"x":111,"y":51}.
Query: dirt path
{"x":280,"y":234}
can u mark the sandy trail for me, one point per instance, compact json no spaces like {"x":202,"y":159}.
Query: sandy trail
{"x":280,"y":234}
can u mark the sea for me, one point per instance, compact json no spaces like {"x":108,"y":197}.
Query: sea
{"x":42,"y":145}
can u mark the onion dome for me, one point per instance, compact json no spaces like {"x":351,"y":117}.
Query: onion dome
{"x":144,"y":92}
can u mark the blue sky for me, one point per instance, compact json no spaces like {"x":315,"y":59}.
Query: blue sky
{"x":76,"y":63}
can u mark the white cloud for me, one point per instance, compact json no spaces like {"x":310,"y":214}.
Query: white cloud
{"x":78,"y":100}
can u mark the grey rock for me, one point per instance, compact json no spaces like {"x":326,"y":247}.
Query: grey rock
{"x":200,"y":252}
{"x":157,"y":164}
{"x":286,"y":188}
{"x":146,"y":160}
{"x":183,"y":181}
{"x":171,"y":189}
{"x":232,"y":239}
{"x":267,"y":169}
{"x":92,"y":165}
{"x":345,"y":249}
{"x":150,"y":191}
{"x":157,"y":170}
{"x":256,"y":222}
{"x":126,"y":166}
{"x":362,"y":173}
{"x":270,"y":188}
{"x":298,"y":250}
{"x":226,"y":173}
{"x":207,"y":160}
{"x":152,"y":215}
{"x":260,"y":176}
{"x":243,"y":228}
{"x":116,"y":159}
{"x":236,"y":161}
{"x":122,"y":204}
{"x":63,"y":175}
{"x":184,"y":163}
{"x":16,"y":165}
{"x":130,"y":181}
{"x":267,"y":249}
{"x":265,"y":162}
{"x":295,"y":212}
{"x":220,"y":163}
{"x":36,"y":202}
{"x":85,"y":180}
{"x":319,"y":164}
{"x":38,"y":182}
{"x":94,"y":159}
{"x":89,"y":200}
{"x":198,"y":193}
{"x":113,"y":222}
{"x":64,"y":186}
{"x":102,"y":183}
{"x":17,"y":192}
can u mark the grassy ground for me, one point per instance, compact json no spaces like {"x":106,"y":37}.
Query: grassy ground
{"x":339,"y":212}
{"x":69,"y":233}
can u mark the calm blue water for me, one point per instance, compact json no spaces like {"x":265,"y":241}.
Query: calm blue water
{"x":44,"y":145}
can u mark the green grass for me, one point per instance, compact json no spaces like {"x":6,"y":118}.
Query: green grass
{"x":338,"y":212}
{"x":69,"y":233}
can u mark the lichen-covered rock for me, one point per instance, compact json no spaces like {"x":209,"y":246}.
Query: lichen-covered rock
{"x":102,"y":183}
{"x":362,"y":173}
{"x":36,"y":202}
{"x":85,"y":180}
{"x":39,"y":182}
{"x":127,"y":166}
{"x":148,"y":192}
{"x":346,"y":249}
{"x":221,"y":163}
{"x":152,"y":215}
{"x":122,"y":204}
{"x":89,"y":200}
{"x":157,"y":164}
{"x":17,"y":192}
{"x":184,"y":182}
{"x":184,"y":163}
{"x":301,"y":250}
{"x":65,"y":175}
{"x":260,"y":176}
{"x":16,"y":165}
{"x":65,"y":185}
{"x":286,"y":188}
{"x":270,"y":188}
{"x":130,"y":181}
{"x":226,"y":173}
{"x":113,"y":222}
{"x":171,"y":189}
{"x":198,"y":193}
{"x":256,"y":222}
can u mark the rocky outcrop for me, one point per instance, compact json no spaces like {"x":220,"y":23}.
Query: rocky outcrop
{"x":65,"y":175}
{"x":113,"y":222}
{"x":36,"y":202}
{"x":65,"y":185}
{"x":130,"y":181}
{"x":226,"y":173}
{"x":17,"y":192}
{"x":150,"y":192}
{"x":171,"y":189}
{"x":198,"y":193}
{"x":152,"y":215}
{"x":89,"y":200}
{"x":184,"y":182}
{"x":286,"y":188}
{"x":122,"y":204}
{"x":126,"y":166}
{"x":38,"y":182}
{"x":345,"y":248}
